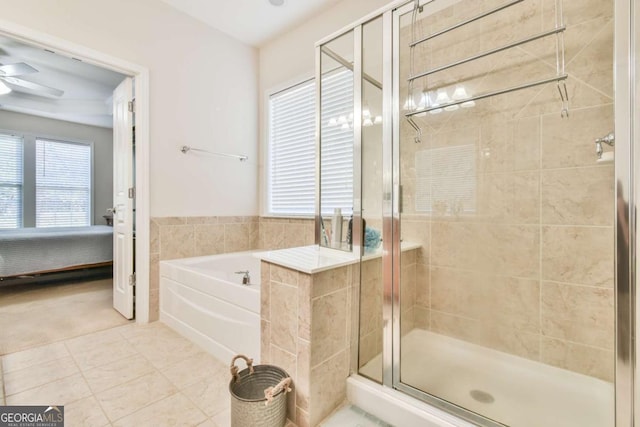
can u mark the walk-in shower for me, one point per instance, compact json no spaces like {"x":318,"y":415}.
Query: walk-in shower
{"x":497,"y":296}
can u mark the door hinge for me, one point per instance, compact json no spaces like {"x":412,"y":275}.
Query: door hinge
{"x":132,"y":106}
{"x":132,"y":192}
{"x":132,"y":279}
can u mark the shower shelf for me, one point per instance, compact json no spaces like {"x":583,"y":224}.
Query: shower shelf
{"x":560,"y":77}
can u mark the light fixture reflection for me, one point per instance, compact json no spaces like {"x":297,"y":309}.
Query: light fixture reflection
{"x":4,"y":89}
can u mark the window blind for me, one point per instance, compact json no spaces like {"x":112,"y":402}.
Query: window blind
{"x":292,"y":151}
{"x":11,"y":149}
{"x":337,"y":142}
{"x":63,"y":184}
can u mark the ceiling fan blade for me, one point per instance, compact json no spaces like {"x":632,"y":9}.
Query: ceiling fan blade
{"x":16,"y":69}
{"x":33,"y":86}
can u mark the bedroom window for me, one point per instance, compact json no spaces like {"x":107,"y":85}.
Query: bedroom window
{"x":63,"y":184}
{"x":11,"y":150}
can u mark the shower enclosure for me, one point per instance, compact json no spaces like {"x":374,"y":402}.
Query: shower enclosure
{"x":481,"y":138}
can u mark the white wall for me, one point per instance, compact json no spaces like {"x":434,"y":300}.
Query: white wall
{"x":102,"y":139}
{"x":296,"y":49}
{"x":203,"y":92}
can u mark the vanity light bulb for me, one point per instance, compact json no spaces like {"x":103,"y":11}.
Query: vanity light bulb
{"x":342,"y":120}
{"x":377,"y":120}
{"x":4,"y":89}
{"x":367,"y":122}
{"x":468,"y":104}
{"x":332,"y":122}
{"x":345,"y":126}
{"x":459,"y":93}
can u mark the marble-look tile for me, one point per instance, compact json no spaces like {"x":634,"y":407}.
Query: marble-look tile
{"x":103,"y":354}
{"x":576,"y":12}
{"x":130,"y":397}
{"x":193,"y":369}
{"x":328,"y":386}
{"x":296,"y":235}
{"x":407,"y":287}
{"x":489,"y":334}
{"x":169,"y":220}
{"x":288,"y":362}
{"x":568,"y":143}
{"x":24,"y":359}
{"x":423,"y":285}
{"x":265,"y":290}
{"x":417,"y":232}
{"x":422,"y":317}
{"x":210,"y":395}
{"x":163,"y":347}
{"x":284,"y":275}
{"x":284,"y":318}
{"x":154,"y":237}
{"x":595,"y":362}
{"x":329,"y":326}
{"x":116,"y":373}
{"x":302,"y":418}
{"x":582,"y":255}
{"x":526,"y":144}
{"x":175,"y":410}
{"x":581,"y":314}
{"x":370,"y":305}
{"x":59,"y":392}
{"x":509,"y":197}
{"x":578,"y":196}
{"x":91,"y":342}
{"x":497,"y":299}
{"x":265,"y":341}
{"x":303,"y":368}
{"x":594,"y":63}
{"x":204,"y":219}
{"x":209,"y":239}
{"x":223,"y":419}
{"x":154,"y":271}
{"x":272,"y":235}
{"x":304,"y":305}
{"x":85,"y":412}
{"x":176,"y":241}
{"x":37,"y":375}
{"x":237,"y":237}
{"x":368,"y":348}
{"x":329,"y":281}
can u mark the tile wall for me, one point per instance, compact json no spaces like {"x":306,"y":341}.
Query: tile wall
{"x":519,"y":257}
{"x":184,"y":237}
{"x":306,"y":329}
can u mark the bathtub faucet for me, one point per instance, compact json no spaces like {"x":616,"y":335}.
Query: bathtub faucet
{"x":246,"y":279}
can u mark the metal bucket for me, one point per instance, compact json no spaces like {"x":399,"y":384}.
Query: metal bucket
{"x":258,"y":395}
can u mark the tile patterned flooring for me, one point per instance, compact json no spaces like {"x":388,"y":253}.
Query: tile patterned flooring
{"x":132,"y":375}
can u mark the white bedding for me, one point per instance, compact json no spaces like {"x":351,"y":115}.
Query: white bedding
{"x":33,"y":250}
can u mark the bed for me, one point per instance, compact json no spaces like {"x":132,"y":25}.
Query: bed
{"x":31,"y":251}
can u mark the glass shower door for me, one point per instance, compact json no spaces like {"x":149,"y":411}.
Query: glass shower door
{"x":505,"y":270}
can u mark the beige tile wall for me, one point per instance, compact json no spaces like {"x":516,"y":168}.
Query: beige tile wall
{"x":306,"y":329}
{"x":530,"y":270}
{"x":184,"y":237}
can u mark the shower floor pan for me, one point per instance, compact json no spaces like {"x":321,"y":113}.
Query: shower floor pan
{"x":509,"y":389}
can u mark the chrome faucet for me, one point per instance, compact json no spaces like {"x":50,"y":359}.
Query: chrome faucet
{"x":608,"y":139}
{"x":246,"y":279}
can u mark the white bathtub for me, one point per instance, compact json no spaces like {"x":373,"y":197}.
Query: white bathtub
{"x":205,"y":301}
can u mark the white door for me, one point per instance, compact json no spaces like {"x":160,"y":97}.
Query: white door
{"x":123,"y":219}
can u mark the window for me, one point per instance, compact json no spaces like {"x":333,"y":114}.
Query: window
{"x":10,"y":181}
{"x":292,"y":151}
{"x":63,"y":184}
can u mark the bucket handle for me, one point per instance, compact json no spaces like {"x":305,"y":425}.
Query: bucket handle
{"x":234,"y":368}
{"x":270,"y":393}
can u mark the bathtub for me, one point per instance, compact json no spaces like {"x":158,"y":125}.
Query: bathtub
{"x":205,"y":301}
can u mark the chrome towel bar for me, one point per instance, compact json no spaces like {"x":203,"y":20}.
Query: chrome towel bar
{"x":185,"y":149}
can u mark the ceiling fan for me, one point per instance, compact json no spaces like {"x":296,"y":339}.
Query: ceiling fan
{"x":9,"y":72}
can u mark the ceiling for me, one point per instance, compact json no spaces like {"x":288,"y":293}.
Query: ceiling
{"x":253,"y":22}
{"x":87,"y":89}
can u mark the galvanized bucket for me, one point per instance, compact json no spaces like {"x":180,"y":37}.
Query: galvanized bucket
{"x":258,"y":395}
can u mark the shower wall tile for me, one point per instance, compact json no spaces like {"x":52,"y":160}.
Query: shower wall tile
{"x":281,"y":233}
{"x":569,"y":143}
{"x":587,"y":360}
{"x":581,"y":255}
{"x":575,"y":196}
{"x":580,"y":314}
{"x":328,"y":327}
{"x":529,"y":269}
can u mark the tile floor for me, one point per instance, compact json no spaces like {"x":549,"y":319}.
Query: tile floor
{"x":132,"y":375}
